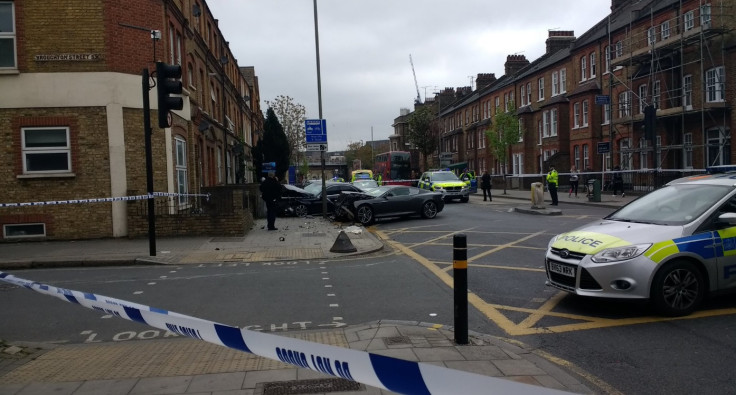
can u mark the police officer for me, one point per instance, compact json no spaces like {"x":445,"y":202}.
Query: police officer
{"x":271,"y":193}
{"x":552,"y":184}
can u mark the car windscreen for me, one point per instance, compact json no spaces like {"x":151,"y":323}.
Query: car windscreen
{"x":677,"y":204}
{"x":376,"y":192}
{"x":444,"y":177}
{"x":314,"y":188}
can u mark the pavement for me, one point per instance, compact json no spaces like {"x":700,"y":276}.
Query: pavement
{"x":187,"y":366}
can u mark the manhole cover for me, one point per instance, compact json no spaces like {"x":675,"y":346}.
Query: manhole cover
{"x":315,"y":386}
{"x":397,"y":340}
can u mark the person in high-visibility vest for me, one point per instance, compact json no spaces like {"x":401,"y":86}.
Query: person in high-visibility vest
{"x":552,"y":184}
{"x":379,"y":179}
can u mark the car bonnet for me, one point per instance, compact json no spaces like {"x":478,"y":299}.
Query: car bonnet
{"x":598,"y":236}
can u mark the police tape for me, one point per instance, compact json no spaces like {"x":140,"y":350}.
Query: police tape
{"x":103,"y":200}
{"x":393,"y":374}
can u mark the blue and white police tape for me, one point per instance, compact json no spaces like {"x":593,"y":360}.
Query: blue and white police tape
{"x":380,"y":371}
{"x":103,"y":200}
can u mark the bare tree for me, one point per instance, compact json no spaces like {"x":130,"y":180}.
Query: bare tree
{"x":292,"y":116}
{"x":423,"y":132}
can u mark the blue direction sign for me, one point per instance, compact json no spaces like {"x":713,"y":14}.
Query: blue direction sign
{"x":316,"y":130}
{"x":604,"y":148}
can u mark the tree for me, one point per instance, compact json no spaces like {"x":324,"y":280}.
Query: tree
{"x":274,"y":147}
{"x":503,"y":132}
{"x":361,"y":151}
{"x":423,"y":132}
{"x":292,"y":116}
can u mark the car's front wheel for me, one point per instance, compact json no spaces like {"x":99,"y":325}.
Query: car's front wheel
{"x":678,"y":289}
{"x":365,"y":214}
{"x":464,"y":199}
{"x":301,"y":210}
{"x":429,"y":209}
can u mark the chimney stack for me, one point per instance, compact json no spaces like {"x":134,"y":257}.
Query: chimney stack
{"x":483,"y":80}
{"x":514,"y":63}
{"x":559,"y":39}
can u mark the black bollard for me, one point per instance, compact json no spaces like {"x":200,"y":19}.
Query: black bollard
{"x":460,"y":276}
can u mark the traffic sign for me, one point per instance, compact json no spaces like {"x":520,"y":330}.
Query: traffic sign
{"x":602,"y":99}
{"x":316,"y":138}
{"x":317,"y":147}
{"x":316,"y":131}
{"x":604,"y":148}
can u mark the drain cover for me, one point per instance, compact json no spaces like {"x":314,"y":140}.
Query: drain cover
{"x":397,"y":340}
{"x":315,"y":386}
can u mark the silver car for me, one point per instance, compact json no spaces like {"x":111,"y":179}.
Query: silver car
{"x":673,"y":246}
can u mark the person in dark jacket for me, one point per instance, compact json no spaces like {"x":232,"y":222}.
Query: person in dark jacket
{"x":618,"y":182}
{"x":271,"y":193}
{"x":485,"y":185}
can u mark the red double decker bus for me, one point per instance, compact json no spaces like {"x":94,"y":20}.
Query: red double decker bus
{"x":394,"y":168}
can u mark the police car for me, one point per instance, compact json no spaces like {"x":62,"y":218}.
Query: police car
{"x":445,"y":182}
{"x":673,"y":246}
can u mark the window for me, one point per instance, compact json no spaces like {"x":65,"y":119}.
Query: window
{"x":498,"y":103}
{"x":553,"y":122}
{"x":576,"y":115}
{"x":539,"y":132}
{"x":540,"y":84}
{"x":586,"y":160}
{"x":592,"y":65}
{"x":563,"y":80}
{"x":523,"y":95}
{"x":652,"y":35}
{"x":664,"y":28}
{"x":688,"y":150}
{"x":178,"y":48}
{"x":719,"y":147}
{"x":518,"y":163}
{"x":583,"y":69}
{"x":181,"y":171}
{"x":656,"y":94}
{"x":689,"y":19}
{"x":505,"y":101}
{"x":705,"y":16}
{"x":607,"y":52}
{"x":624,"y":104}
{"x":481,"y":140}
{"x":545,"y":123}
{"x":643,"y":154}
{"x":576,"y":156}
{"x":585,"y":113}
{"x":528,"y":93}
{"x":555,"y":84}
{"x":687,"y":91}
{"x":619,"y":49}
{"x":219,"y":165}
{"x":715,"y":84}
{"x":606,"y":114}
{"x":46,"y":150}
{"x":642,"y":97}
{"x":7,"y":36}
{"x":12,"y":231}
{"x":521,"y":130}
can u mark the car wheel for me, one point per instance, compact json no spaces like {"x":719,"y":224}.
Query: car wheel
{"x":301,"y":210}
{"x":365,"y":214}
{"x":678,"y":289}
{"x":464,"y":199}
{"x":429,"y":210}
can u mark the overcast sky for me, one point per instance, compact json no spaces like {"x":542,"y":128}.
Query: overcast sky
{"x":364,"y":48}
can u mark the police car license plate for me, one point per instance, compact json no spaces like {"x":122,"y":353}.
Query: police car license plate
{"x":561,"y":269}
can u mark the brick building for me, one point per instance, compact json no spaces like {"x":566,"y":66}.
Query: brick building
{"x":72,"y":120}
{"x":582,"y":103}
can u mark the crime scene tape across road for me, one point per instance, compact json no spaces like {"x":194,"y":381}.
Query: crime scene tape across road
{"x":380,"y":371}
{"x":102,"y":200}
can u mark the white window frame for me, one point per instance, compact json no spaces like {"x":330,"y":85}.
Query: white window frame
{"x":539,"y":131}
{"x":540,"y":88}
{"x":687,"y":91}
{"x":715,"y":84}
{"x":583,"y":68}
{"x":585,"y":113}
{"x":689,"y":20}
{"x":606,"y":114}
{"x":586,"y":157}
{"x":656,"y":93}
{"x":643,"y":91}
{"x":624,"y":104}
{"x":643,"y":153}
{"x":576,"y":115}
{"x":607,"y":52}
{"x":592,"y":65}
{"x":182,"y":182}
{"x":9,"y":36}
{"x":687,"y":147}
{"x":521,"y":130}
{"x":528,"y":93}
{"x":51,"y":149}
{"x":555,"y":84}
{"x":705,"y":16}
{"x":664,"y":29}
{"x":576,"y":156}
{"x":523,"y":94}
{"x":553,"y":122}
{"x":619,"y":49}
{"x":652,"y":35}
{"x":563,"y":81}
{"x":545,"y":123}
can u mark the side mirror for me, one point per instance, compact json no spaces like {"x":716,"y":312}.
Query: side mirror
{"x":727,"y":218}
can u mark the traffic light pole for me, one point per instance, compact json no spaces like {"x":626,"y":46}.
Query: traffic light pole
{"x":149,"y":165}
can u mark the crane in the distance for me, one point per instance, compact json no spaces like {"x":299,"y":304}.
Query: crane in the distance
{"x":419,"y":98}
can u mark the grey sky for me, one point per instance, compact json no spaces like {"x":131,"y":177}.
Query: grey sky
{"x":365,"y":46}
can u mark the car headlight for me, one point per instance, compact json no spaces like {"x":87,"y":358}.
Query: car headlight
{"x":620,"y":253}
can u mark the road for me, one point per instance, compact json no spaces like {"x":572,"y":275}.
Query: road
{"x":621,"y":345}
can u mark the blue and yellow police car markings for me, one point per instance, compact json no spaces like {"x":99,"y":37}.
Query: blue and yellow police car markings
{"x":531,"y":324}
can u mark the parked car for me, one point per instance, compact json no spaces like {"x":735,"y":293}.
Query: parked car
{"x":389,"y":201}
{"x":312,"y":204}
{"x":366,"y":184}
{"x":289,"y":196}
{"x":445,"y":182}
{"x":673,"y":246}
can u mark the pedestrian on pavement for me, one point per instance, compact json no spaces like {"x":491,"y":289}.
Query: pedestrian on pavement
{"x":485,"y":185}
{"x":574,"y":180}
{"x":271,"y":193}
{"x":618,"y":182}
{"x":552,"y":184}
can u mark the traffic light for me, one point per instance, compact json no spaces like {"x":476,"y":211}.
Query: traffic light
{"x":650,"y":122}
{"x":168,"y":83}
